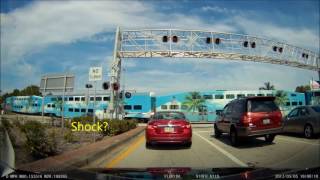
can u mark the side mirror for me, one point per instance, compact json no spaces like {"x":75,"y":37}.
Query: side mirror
{"x":219,"y":112}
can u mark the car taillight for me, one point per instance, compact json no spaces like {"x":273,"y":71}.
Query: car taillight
{"x":245,"y":119}
{"x":151,"y":126}
{"x":188,"y":126}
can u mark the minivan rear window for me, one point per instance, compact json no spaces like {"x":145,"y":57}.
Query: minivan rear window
{"x":262,"y":106}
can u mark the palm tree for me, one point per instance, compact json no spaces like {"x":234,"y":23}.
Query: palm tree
{"x":194,"y":101}
{"x":58,"y":105}
{"x":281,"y":98}
{"x":267,"y":86}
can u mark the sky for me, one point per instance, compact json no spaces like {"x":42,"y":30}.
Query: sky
{"x":46,"y":37}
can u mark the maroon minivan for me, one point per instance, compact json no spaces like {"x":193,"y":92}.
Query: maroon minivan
{"x":249,"y":117}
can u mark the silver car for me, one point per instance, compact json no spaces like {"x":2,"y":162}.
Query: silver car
{"x":303,"y":119}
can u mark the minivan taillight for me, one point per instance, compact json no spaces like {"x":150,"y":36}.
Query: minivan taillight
{"x":245,"y":119}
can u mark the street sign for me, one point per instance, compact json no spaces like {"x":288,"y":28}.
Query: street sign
{"x":95,"y":74}
{"x":57,"y":83}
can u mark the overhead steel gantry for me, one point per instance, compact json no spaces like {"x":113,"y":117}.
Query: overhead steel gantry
{"x":177,"y":43}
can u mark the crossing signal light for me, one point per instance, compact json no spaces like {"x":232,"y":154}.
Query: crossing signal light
{"x":245,"y":44}
{"x":105,"y":85}
{"x":217,"y":41}
{"x":208,"y":40}
{"x":165,"y":39}
{"x":128,"y":95}
{"x":275,"y":48}
{"x":115,"y":86}
{"x":253,"y":45}
{"x":280,"y":50}
{"x":175,"y":39}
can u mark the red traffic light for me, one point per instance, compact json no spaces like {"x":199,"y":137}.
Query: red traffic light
{"x":115,"y":86}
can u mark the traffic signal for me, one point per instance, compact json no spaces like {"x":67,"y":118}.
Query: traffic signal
{"x":115,"y":86}
{"x":128,"y":95}
{"x":105,"y":85}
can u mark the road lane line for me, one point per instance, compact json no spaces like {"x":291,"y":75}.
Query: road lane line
{"x":203,"y":131}
{"x":286,"y":139}
{"x":126,"y":153}
{"x":230,"y":156}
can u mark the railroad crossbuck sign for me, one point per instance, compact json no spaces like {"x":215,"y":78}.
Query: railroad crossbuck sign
{"x":95,"y":74}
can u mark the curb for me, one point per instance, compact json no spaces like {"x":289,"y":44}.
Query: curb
{"x":82,"y":156}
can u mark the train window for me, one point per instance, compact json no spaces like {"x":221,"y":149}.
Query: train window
{"x":207,"y":96}
{"x":98,"y":98}
{"x":83,"y":110}
{"x":127,"y":107}
{"x":184,"y":107}
{"x":53,"y":105}
{"x":59,"y":98}
{"x":137,"y":107}
{"x":294,"y":103}
{"x":269,"y":94}
{"x":174,"y":106}
{"x":91,"y":98}
{"x":90,"y":110}
{"x":53,"y":99}
{"x":106,"y":98}
{"x":251,"y":95}
{"x":293,"y":95}
{"x":287,"y":103}
{"x":77,"y":99}
{"x":83,"y":99}
{"x":230,"y":96}
{"x":70,"y":110}
{"x":48,"y":105}
{"x":70,"y":98}
{"x":65,"y":99}
{"x":300,"y":103}
{"x":240,"y":95}
{"x":219,"y":96}
{"x":76,"y":110}
{"x":164,"y":107}
{"x":260,"y":94}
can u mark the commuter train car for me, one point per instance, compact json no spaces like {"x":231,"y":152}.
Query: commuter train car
{"x":215,"y":101}
{"x":143,"y":105}
{"x":24,"y":104}
{"x":139,"y":106}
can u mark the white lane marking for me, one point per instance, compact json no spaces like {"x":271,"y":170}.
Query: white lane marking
{"x":203,"y":131}
{"x":298,"y":141}
{"x":230,"y":156}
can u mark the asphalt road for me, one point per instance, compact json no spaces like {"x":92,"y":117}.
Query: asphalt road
{"x":208,"y":152}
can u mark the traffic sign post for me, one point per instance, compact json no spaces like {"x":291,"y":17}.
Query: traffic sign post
{"x":95,"y":74}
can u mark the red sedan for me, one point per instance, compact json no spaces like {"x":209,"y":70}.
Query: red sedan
{"x":169,"y":127}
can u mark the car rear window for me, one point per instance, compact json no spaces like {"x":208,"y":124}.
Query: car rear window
{"x":262,"y":106}
{"x":316,"y":108}
{"x":169,"y":115}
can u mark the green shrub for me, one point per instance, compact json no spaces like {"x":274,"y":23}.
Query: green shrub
{"x":69,"y":136}
{"x":38,"y":143}
{"x":116,"y":127}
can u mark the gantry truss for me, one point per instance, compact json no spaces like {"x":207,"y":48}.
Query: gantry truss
{"x":177,"y":43}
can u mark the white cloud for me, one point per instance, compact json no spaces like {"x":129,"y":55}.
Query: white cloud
{"x":32,"y":28}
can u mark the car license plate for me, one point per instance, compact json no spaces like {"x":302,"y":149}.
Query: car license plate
{"x":168,"y":129}
{"x":266,"y":121}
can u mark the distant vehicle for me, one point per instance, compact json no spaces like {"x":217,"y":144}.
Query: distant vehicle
{"x":303,"y":119}
{"x":249,"y":117}
{"x":169,"y":127}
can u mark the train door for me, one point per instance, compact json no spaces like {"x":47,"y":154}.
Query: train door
{"x":203,"y":113}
